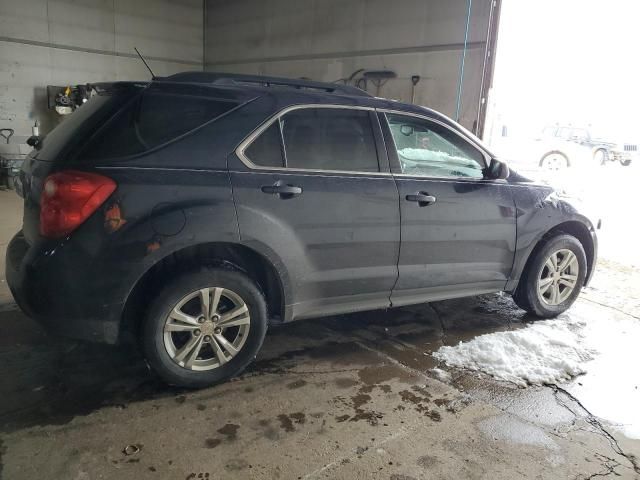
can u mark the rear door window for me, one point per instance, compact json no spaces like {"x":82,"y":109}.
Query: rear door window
{"x":339,"y":139}
{"x":321,"y":139}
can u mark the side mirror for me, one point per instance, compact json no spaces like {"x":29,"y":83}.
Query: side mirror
{"x":497,"y":170}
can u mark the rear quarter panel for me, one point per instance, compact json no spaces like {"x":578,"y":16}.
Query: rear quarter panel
{"x":156,"y":212}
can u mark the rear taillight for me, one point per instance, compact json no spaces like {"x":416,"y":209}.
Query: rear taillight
{"x":69,"y":198}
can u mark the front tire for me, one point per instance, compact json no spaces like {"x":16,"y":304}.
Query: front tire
{"x":626,"y":163}
{"x":204,"y":327}
{"x":553,"y":278}
{"x":600,"y":156}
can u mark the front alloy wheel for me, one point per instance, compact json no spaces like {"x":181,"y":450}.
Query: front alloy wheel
{"x":204,"y":327}
{"x":553,"y":277}
{"x":559,"y":277}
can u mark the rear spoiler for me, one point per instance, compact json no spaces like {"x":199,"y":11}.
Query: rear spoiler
{"x":108,"y":87}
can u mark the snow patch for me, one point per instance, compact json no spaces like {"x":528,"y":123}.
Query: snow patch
{"x":441,"y":375}
{"x":546,"y":352}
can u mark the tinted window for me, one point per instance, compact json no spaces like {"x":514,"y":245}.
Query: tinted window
{"x":266,"y":150}
{"x":428,"y":149}
{"x":74,"y":129}
{"x":152,"y":120}
{"x":329,"y":139}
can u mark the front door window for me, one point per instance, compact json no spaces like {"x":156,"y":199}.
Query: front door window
{"x":428,"y":149}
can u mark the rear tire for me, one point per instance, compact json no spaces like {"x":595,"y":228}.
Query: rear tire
{"x":545,"y":291}
{"x":554,"y":161}
{"x":187,"y":349}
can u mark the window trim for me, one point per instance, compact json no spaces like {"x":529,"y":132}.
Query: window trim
{"x":396,"y":161}
{"x":240,"y":150}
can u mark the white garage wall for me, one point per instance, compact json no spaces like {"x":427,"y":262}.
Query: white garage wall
{"x":330,"y":39}
{"x":55,"y":42}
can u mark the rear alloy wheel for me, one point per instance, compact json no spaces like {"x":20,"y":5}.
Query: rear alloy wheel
{"x":204,"y":327}
{"x":553,"y":277}
{"x":554,"y":161}
{"x":207,"y":328}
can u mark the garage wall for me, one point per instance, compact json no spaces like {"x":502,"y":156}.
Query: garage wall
{"x":330,"y":39}
{"x":59,"y":42}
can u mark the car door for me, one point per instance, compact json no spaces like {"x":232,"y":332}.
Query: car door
{"x":458,"y":229}
{"x":313,"y":189}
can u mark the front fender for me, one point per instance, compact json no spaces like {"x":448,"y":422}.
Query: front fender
{"x":540,"y":211}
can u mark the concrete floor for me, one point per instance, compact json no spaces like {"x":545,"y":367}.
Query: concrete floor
{"x":343,"y":397}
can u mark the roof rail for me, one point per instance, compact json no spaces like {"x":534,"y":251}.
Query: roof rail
{"x":264,"y":81}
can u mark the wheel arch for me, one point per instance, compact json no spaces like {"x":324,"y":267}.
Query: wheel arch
{"x":603,"y":149}
{"x":576,"y":229}
{"x":221,"y":254}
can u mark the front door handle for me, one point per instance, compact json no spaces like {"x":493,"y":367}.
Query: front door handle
{"x":281,"y":189}
{"x":422,"y":198}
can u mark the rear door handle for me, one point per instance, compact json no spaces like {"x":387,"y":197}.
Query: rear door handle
{"x":282,"y":189}
{"x":422,"y":198}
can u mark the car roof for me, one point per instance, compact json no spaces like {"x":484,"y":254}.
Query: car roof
{"x":299,"y":89}
{"x":262,"y":81}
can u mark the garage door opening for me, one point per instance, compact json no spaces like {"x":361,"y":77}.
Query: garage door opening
{"x":563,"y":106}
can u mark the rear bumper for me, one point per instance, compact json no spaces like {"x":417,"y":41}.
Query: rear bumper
{"x":60,"y":291}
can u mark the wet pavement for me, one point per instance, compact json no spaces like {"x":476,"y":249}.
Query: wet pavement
{"x":353,"y":396}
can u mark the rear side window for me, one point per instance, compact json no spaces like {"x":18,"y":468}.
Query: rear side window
{"x":151,"y":120}
{"x":75,"y":129}
{"x":338,"y":139}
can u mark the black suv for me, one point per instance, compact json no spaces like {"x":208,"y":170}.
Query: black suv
{"x":193,"y":211}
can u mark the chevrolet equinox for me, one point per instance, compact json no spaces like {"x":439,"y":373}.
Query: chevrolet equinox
{"x":193,"y":211}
